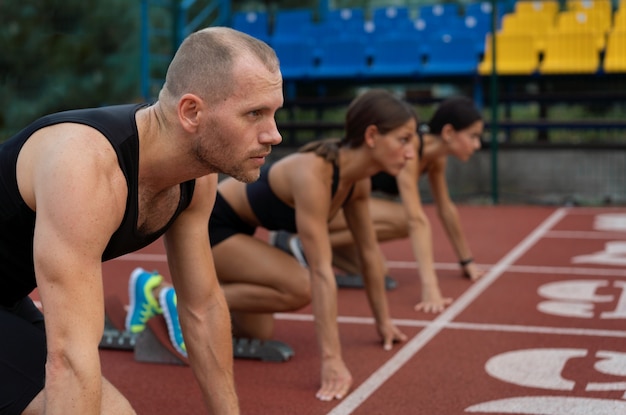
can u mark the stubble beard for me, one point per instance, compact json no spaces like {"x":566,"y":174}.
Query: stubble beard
{"x":219,"y":158}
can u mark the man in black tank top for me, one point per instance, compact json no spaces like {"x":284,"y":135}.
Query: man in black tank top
{"x":85,"y":186}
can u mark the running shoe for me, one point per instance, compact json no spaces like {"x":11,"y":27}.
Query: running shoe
{"x":143,"y":304}
{"x":167,"y":298}
{"x":290,"y":243}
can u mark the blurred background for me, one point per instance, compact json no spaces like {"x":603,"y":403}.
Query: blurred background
{"x":551,"y":82}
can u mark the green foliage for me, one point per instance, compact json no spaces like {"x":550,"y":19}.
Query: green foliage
{"x":64,"y":54}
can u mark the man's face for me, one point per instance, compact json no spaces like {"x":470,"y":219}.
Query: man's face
{"x":241,"y":130}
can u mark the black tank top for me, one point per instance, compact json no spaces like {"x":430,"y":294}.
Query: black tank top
{"x":272,"y":212}
{"x":386,"y":183}
{"x":17,"y":220}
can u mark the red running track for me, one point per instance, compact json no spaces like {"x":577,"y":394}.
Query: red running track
{"x":542,"y":333}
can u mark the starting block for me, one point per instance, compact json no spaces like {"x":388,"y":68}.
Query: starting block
{"x":356,"y":281}
{"x":114,"y":337}
{"x":153,"y":344}
{"x":265,"y":350}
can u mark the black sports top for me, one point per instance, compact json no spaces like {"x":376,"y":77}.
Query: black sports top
{"x":273,"y":213}
{"x":17,"y":220}
{"x":386,"y":183}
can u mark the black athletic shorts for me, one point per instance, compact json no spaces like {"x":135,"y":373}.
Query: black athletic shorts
{"x":225,"y":222}
{"x":22,"y":356}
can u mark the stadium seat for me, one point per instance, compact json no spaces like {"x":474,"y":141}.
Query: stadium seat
{"x":619,"y":19}
{"x":481,"y":12}
{"x":615,"y":57}
{"x":347,"y":22}
{"x":296,"y":57}
{"x":438,"y":12}
{"x":478,"y":24}
{"x":346,"y":18}
{"x":467,"y":26}
{"x":396,"y":55}
{"x":516,"y":54}
{"x":423,"y":27}
{"x":597,"y":24}
{"x":253,"y":23}
{"x":570,"y":53}
{"x":479,"y":9}
{"x":534,"y":7}
{"x":538,"y":26}
{"x":344,"y":57}
{"x":292,"y":23}
{"x":391,"y":17}
{"x":450,"y":55}
{"x":601,"y":6}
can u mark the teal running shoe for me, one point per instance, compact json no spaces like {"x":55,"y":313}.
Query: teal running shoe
{"x":143,"y":304}
{"x":167,"y":298}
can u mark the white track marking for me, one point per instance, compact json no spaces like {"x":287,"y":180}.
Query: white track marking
{"x":585,"y":235}
{"x":380,"y":376}
{"x":509,"y":328}
{"x":530,"y":269}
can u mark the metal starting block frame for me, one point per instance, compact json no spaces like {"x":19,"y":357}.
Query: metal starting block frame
{"x":118,"y":340}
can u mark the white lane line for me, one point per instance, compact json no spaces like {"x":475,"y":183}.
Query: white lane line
{"x":143,"y":257}
{"x":509,"y":328}
{"x":529,"y":269}
{"x":586,"y":235}
{"x":380,"y":376}
{"x":600,"y":272}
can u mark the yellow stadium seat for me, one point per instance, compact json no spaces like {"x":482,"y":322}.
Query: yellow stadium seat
{"x":585,"y":22}
{"x":570,"y":53}
{"x":619,"y":19}
{"x":615,"y":56}
{"x":516,"y":54}
{"x":602,"y":6}
{"x":533,"y":7}
{"x":538,"y":26}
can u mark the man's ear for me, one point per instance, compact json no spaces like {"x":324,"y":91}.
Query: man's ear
{"x":370,"y":136}
{"x":189,"y":110}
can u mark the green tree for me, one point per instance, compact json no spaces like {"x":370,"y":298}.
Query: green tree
{"x":64,"y":54}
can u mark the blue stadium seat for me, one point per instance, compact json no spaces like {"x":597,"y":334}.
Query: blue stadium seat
{"x":390,"y":18}
{"x":396,"y":56}
{"x":339,"y":23}
{"x":481,"y":12}
{"x":292,"y":23}
{"x":296,"y":56}
{"x":253,"y":23}
{"x":438,"y":15}
{"x":344,"y":57}
{"x":348,"y":19}
{"x":453,"y":25}
{"x":477,"y":30}
{"x":450,"y":55}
